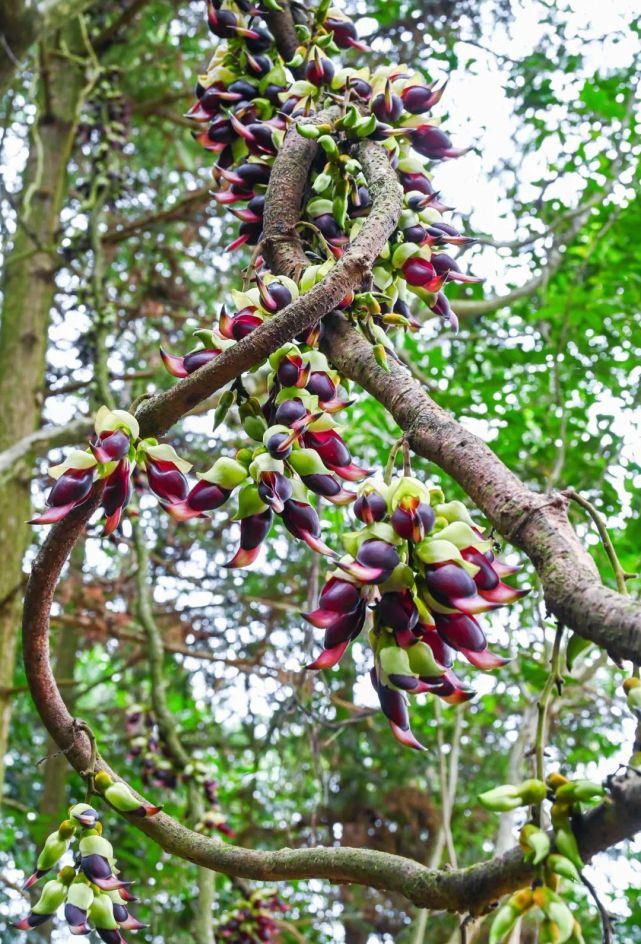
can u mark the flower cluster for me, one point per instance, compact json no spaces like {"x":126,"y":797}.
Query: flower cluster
{"x":245,"y":102}
{"x":555,"y":858}
{"x":425,"y":570}
{"x":112,"y":456}
{"x":253,"y":919}
{"x":213,"y":819}
{"x":146,"y":745}
{"x":418,"y":563}
{"x":301,"y":453}
{"x":91,"y":890}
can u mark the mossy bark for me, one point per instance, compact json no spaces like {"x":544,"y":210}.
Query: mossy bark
{"x":28,"y":291}
{"x":21,"y":25}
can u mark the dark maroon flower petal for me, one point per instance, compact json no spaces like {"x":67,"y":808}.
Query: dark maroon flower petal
{"x":321,"y":385}
{"x":72,"y":487}
{"x":397,"y":610}
{"x":449,"y":582}
{"x":340,"y":595}
{"x":322,"y":484}
{"x":117,"y":488}
{"x":330,"y":447}
{"x":274,"y":489}
{"x":460,"y":631}
{"x":205,"y":496}
{"x":290,"y":412}
{"x":254,"y":529}
{"x":486,"y":578}
{"x":196,"y":359}
{"x":370,"y":508}
{"x":111,"y":447}
{"x":299,"y":517}
{"x":166,"y":480}
{"x":375,"y":553}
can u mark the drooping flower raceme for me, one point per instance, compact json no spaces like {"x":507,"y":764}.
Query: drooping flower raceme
{"x":556,"y":856}
{"x":419,"y":564}
{"x":244,"y":102}
{"x":159,"y":769}
{"x":255,"y":918}
{"x":112,"y":457}
{"x":425,"y":571}
{"x":91,"y":890}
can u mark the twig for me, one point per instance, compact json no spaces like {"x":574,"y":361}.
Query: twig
{"x":391,"y":460}
{"x":463,"y":927}
{"x":553,"y":681}
{"x":606,"y":922}
{"x":12,"y":885}
{"x":89,"y":773}
{"x":446,"y":798}
{"x":619,"y":573}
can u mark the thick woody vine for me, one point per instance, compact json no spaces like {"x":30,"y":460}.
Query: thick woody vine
{"x":344,"y":258}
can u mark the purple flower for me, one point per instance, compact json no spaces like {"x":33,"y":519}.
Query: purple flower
{"x":433,"y":143}
{"x":116,"y":495}
{"x":71,"y":489}
{"x":302,"y":521}
{"x":253,"y":531}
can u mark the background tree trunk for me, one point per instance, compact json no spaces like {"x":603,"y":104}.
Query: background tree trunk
{"x":21,"y":24}
{"x":28,"y":291}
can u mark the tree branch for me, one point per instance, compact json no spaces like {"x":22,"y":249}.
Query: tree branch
{"x":192,"y":200}
{"x":563,"y":236}
{"x":49,"y":437}
{"x":471,"y":890}
{"x":23,"y":23}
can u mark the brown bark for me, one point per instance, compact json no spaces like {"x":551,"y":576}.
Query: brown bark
{"x":56,"y":768}
{"x":52,"y":801}
{"x":28,"y":290}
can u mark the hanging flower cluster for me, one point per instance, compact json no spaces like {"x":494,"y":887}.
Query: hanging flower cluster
{"x":253,"y":919}
{"x":213,"y":818}
{"x":158,"y":770}
{"x":112,"y":456}
{"x":301,"y":453}
{"x":91,"y":890}
{"x":555,"y":858}
{"x":247,"y":99}
{"x":426,"y":571}
{"x":419,"y":563}
{"x":146,"y":746}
